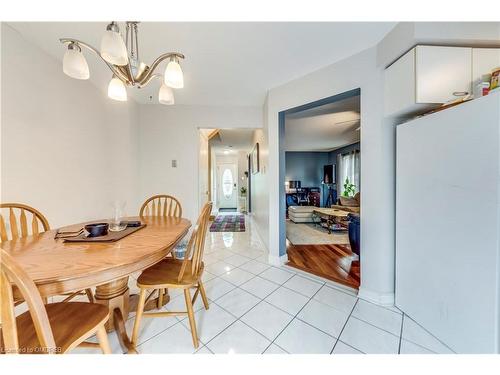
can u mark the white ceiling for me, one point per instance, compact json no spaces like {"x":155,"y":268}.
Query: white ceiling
{"x":323,"y":128}
{"x":230,"y":141}
{"x":226,"y":63}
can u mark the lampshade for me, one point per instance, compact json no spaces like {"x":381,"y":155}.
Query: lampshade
{"x":117,"y":90}
{"x":113,"y":49}
{"x":173,"y":76}
{"x":74,"y":63}
{"x":166,"y":95}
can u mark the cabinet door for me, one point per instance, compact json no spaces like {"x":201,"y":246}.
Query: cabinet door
{"x":484,"y":60}
{"x":399,"y":85}
{"x":442,"y":73}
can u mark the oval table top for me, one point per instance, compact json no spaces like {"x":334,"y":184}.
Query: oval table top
{"x":59,"y":267}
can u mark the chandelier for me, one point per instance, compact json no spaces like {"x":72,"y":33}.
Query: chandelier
{"x":122,"y":58}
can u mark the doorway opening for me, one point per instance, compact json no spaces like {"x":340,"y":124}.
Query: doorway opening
{"x":224,"y":174}
{"x":320,"y":158}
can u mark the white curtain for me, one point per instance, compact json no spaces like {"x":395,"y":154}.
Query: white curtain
{"x":348,"y":166}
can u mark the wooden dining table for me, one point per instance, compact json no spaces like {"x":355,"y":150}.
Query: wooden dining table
{"x":59,"y":267}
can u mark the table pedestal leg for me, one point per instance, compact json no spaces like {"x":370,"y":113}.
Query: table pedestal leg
{"x":115,"y":295}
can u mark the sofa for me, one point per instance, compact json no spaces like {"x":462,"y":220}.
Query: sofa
{"x":301,"y":214}
{"x":349,"y":204}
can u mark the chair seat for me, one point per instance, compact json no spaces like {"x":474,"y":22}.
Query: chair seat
{"x":71,"y":323}
{"x":165,"y":275}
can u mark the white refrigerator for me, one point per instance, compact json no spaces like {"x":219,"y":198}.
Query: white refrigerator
{"x":447,"y":224}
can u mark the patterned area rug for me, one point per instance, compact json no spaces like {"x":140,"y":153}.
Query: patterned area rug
{"x":228,"y":223}
{"x":308,"y":234}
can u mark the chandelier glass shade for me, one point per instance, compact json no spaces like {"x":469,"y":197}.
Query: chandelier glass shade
{"x":74,"y":63}
{"x":117,"y":90}
{"x":122,"y":58}
{"x":113,"y":49}
{"x":173,"y":76}
{"x":166,"y":95}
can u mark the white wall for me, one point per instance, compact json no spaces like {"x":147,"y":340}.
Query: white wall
{"x":203,"y":188}
{"x":67,"y":149}
{"x":171,"y":133}
{"x":260,"y":185}
{"x":377,"y":153}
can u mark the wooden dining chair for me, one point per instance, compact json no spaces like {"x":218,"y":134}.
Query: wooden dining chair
{"x":161,"y":205}
{"x":19,"y":228}
{"x":22,"y":229}
{"x":45,"y":329}
{"x":176,"y":273}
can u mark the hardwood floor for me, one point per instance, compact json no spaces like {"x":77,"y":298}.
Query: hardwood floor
{"x":332,"y":262}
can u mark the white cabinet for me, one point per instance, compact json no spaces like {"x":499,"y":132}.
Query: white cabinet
{"x":425,"y":77}
{"x":484,"y":60}
{"x":399,"y":86}
{"x":442,"y":73}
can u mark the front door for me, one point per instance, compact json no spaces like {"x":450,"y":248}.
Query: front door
{"x":227,"y":185}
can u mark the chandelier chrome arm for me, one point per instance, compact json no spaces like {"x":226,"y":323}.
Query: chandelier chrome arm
{"x":113,"y":68}
{"x":149,"y":78}
{"x":144,"y":78}
{"x":125,"y":72}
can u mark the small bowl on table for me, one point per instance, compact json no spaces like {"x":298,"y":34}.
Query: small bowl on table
{"x":97,"y":229}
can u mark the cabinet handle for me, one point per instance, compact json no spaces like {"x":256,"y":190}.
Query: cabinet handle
{"x":460,"y":93}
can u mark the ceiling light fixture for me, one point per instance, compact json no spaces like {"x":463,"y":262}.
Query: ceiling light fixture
{"x":122,"y":58}
{"x":74,"y":63}
{"x":166,"y":95}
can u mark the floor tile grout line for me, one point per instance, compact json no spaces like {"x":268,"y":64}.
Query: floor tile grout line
{"x":343,"y":327}
{"x":381,"y":306}
{"x":349,"y":345}
{"x":429,"y":333}
{"x":279,"y":308}
{"x":237,"y":320}
{"x":158,"y":334}
{"x":401,"y":333}
{"x":290,"y":322}
{"x":373,"y":325}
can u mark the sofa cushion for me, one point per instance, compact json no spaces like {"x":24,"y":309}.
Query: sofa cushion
{"x":302,"y":219}
{"x":301,"y":209}
{"x":300,"y":214}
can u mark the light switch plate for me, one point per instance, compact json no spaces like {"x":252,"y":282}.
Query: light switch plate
{"x":174,"y":163}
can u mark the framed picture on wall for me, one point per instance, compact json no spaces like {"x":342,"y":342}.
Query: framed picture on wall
{"x":254,"y":159}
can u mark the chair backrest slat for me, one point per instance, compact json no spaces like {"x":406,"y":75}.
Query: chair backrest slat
{"x":196,"y":244}
{"x":3,"y":230}
{"x":19,"y":228}
{"x":24,"y":224}
{"x":161,"y":205}
{"x":11,"y":272}
{"x":13,"y":224}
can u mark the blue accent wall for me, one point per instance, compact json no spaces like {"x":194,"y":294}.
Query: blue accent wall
{"x":306,"y":167}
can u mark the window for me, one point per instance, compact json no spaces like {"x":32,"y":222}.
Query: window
{"x":227,"y":183}
{"x":349,"y":168}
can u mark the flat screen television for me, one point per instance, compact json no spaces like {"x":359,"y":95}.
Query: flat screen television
{"x":329,"y":174}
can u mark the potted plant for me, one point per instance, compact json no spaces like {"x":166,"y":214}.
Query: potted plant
{"x":243,"y":191}
{"x":349,"y":188}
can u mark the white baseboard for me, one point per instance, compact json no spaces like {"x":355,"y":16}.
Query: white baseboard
{"x":278,"y":261}
{"x":383,"y":299}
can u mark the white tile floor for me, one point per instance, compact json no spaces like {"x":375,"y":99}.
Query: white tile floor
{"x":257,"y":308}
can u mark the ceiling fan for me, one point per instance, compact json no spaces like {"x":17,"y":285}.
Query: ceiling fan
{"x":349,"y":122}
